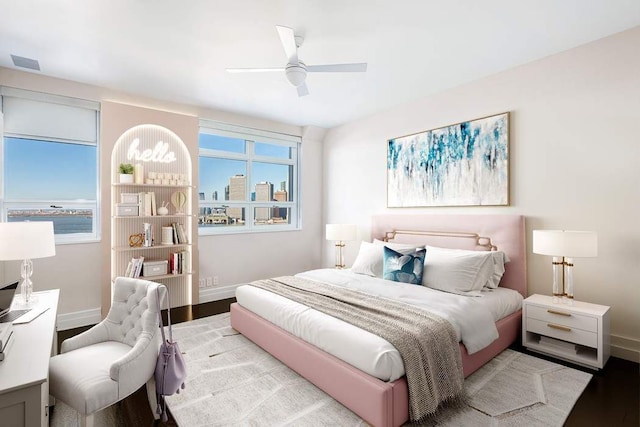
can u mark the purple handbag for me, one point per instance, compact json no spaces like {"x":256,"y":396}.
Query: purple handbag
{"x":171,"y":370}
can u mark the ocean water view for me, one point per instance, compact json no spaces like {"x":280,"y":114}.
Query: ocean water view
{"x":62,"y":224}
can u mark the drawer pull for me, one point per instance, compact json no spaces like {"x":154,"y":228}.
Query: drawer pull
{"x":562,"y":328}
{"x":561,"y":313}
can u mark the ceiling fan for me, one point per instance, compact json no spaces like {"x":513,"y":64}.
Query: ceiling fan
{"x":296,"y":70}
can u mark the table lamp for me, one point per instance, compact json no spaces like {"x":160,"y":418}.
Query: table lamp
{"x":564,"y":246}
{"x":341,"y":233}
{"x":24,"y":241}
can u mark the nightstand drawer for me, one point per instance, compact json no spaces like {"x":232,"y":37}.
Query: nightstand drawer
{"x":561,"y":316}
{"x":563,"y":332}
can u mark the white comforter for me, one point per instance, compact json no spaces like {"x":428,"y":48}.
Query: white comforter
{"x":473,"y":318}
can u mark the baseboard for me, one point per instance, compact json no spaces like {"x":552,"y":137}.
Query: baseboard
{"x":625,"y":348}
{"x":78,"y":319}
{"x":217,"y":293}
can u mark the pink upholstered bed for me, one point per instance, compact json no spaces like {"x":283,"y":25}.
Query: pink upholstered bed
{"x":383,"y":403}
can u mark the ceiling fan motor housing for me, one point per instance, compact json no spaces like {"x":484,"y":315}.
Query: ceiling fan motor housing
{"x":296,"y":73}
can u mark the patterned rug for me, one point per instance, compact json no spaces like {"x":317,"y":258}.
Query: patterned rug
{"x":233,"y":382}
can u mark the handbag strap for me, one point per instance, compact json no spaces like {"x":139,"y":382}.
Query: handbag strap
{"x":158,"y":299}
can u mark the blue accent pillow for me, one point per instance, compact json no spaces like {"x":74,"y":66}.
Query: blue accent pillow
{"x":406,"y":268}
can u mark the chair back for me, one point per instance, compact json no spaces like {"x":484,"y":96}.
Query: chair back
{"x":134,"y":310}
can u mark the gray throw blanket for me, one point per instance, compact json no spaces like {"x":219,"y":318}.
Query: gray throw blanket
{"x":426,"y":342}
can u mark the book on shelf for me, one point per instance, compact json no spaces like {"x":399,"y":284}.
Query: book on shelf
{"x":176,"y":240}
{"x":6,"y":329}
{"x":147,"y":203}
{"x":179,"y":262}
{"x":147,"y":234}
{"x":153,"y":203}
{"x":134,"y":269}
{"x":182,"y":236}
{"x":7,"y":346}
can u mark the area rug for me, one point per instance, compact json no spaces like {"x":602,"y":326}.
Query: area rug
{"x":233,"y":382}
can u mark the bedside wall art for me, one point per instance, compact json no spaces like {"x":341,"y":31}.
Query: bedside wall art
{"x":465,"y":164}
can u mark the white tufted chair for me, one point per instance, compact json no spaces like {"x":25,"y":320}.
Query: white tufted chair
{"x":114,"y":358}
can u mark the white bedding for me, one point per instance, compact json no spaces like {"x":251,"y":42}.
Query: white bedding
{"x":473,"y":318}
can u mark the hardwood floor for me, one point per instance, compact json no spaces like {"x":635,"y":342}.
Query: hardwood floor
{"x":612,"y":398}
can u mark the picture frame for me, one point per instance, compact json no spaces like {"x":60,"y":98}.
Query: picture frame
{"x":463,"y":164}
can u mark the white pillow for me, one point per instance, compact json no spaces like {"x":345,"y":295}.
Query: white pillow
{"x":370,"y":259}
{"x":396,"y":246}
{"x":457,"y":271}
{"x":499,"y":260}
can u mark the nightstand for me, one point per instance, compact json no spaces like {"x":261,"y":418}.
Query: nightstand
{"x":577,"y":333}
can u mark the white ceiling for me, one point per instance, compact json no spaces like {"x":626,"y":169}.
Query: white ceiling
{"x":178,"y":50}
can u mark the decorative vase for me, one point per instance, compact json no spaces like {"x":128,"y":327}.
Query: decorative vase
{"x":162,"y":210}
{"x":126,"y":178}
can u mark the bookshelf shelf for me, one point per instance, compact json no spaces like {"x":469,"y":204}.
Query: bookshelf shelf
{"x":152,"y":216}
{"x":150,"y":248}
{"x":165,"y":276}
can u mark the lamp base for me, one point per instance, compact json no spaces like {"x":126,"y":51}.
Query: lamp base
{"x":20,"y":302}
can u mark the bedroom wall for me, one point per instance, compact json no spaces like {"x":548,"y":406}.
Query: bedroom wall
{"x":574,"y":165}
{"x":77,"y":270}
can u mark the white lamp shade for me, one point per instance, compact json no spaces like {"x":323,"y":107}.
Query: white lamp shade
{"x":570,"y":244}
{"x":342,"y":232}
{"x":26,"y":240}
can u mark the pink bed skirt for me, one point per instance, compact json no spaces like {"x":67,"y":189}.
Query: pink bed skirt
{"x":378,"y":402}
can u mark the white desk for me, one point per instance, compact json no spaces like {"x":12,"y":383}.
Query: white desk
{"x":24,"y":373}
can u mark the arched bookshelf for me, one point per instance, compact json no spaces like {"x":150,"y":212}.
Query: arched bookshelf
{"x":163,"y":172}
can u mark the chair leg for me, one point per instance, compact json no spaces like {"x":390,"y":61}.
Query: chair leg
{"x":151,"y":396}
{"x":85,"y":420}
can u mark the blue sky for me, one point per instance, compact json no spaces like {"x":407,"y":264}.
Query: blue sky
{"x":45,"y":171}
{"x":51,"y":171}
{"x":215,"y":173}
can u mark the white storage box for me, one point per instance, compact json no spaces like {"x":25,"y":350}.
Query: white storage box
{"x":129,"y":198}
{"x":126,"y":209}
{"x":154,"y":268}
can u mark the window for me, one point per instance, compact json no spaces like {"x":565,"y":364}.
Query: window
{"x":248,"y":180}
{"x":50,"y":163}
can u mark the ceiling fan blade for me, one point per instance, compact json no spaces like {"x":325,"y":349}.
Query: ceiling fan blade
{"x":338,"y":68}
{"x":288,"y":39}
{"x":253,"y":70}
{"x":303,"y":90}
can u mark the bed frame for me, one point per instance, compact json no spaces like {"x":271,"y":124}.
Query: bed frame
{"x":383,"y":403}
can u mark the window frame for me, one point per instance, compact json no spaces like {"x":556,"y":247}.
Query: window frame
{"x":251,"y":137}
{"x":94,"y":205}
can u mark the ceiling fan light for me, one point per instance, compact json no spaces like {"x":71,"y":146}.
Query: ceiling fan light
{"x":296,"y":74}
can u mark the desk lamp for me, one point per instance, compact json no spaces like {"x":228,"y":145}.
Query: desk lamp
{"x":24,"y":241}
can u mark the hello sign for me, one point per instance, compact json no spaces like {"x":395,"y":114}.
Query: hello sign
{"x":159,"y":154}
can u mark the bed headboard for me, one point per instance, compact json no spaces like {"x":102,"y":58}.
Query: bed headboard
{"x":474,"y":232}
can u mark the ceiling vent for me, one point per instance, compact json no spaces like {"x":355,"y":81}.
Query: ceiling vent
{"x":21,"y":61}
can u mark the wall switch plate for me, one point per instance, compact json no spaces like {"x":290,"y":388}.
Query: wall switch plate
{"x":216,"y":281}
{"x":209,"y":281}
{"x":202,"y":283}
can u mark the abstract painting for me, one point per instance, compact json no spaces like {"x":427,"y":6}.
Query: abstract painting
{"x":466,"y":164}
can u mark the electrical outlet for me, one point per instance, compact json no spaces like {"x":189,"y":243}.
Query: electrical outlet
{"x":209,"y":282}
{"x":202,"y":283}
{"x":216,"y":281}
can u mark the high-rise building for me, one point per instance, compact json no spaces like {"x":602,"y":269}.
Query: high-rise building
{"x":214,"y":196}
{"x":264,"y":193}
{"x":283,"y":185}
{"x":200,"y":196}
{"x":237,"y":191}
{"x":226,"y":192}
{"x":280,"y":196}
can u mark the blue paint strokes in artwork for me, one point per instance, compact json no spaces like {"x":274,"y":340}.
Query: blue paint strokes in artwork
{"x":463,"y":164}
